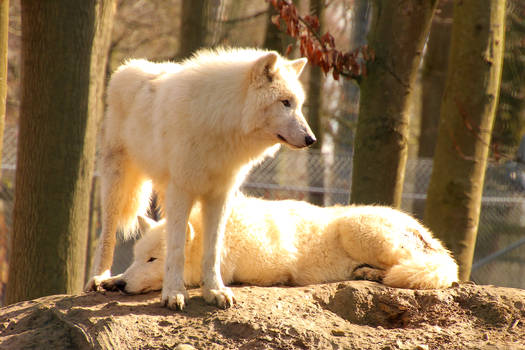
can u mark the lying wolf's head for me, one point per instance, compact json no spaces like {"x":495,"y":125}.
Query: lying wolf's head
{"x":274,"y":99}
{"x":147,"y":270}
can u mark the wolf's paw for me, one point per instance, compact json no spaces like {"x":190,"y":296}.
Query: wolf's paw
{"x":175,"y":300}
{"x":368,"y":273}
{"x":95,"y":283}
{"x":114,"y":284}
{"x":222,"y":297}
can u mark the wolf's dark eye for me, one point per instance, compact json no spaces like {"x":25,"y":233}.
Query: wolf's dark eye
{"x":152,"y":259}
{"x":286,"y":103}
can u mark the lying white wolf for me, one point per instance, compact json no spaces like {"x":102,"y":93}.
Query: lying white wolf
{"x":296,"y":243}
{"x":193,"y":129}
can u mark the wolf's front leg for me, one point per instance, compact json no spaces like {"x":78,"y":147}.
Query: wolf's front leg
{"x":178,"y":206}
{"x":215,"y":213}
{"x":100,"y":270}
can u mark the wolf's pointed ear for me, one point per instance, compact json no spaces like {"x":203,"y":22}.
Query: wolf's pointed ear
{"x":264,"y":67}
{"x":298,"y":65}
{"x":145,"y":223}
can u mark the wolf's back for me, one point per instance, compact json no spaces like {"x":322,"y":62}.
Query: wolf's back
{"x":134,"y":75}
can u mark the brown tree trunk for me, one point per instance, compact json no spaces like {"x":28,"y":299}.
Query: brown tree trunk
{"x":193,"y":27}
{"x":509,"y":126}
{"x":398,"y":32}
{"x":434,"y":74}
{"x":343,"y":139}
{"x":314,"y":103}
{"x":467,"y":115}
{"x":343,"y":136}
{"x":274,"y":37}
{"x":4,"y":27}
{"x":56,"y":147}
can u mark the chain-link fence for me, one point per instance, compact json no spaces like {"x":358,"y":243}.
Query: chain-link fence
{"x":325,"y":179}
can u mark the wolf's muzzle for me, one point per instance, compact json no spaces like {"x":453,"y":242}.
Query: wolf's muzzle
{"x":308,"y":140}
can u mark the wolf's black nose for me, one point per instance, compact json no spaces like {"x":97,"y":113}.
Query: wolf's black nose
{"x":309,"y":140}
{"x":121,"y":285}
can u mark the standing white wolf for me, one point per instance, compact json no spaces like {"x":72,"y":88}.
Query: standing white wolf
{"x":296,"y":243}
{"x":193,"y":130}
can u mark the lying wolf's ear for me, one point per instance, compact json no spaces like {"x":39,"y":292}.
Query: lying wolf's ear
{"x":298,"y":65}
{"x":265,"y":66}
{"x":145,"y":223}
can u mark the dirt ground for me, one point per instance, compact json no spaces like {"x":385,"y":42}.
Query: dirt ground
{"x":348,"y":315}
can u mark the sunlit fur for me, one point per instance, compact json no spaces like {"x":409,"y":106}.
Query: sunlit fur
{"x":193,"y":129}
{"x":295,"y":243}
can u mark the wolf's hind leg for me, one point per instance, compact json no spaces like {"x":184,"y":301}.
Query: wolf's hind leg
{"x":124,"y":194}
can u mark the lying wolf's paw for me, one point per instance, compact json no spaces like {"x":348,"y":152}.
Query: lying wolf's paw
{"x":368,"y":273}
{"x":95,"y":283}
{"x":114,"y":284}
{"x":175,"y":300}
{"x":223,"y":297}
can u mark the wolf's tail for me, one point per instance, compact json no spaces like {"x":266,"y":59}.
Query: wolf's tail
{"x":125,"y":195}
{"x":137,"y":204}
{"x":423,"y":270}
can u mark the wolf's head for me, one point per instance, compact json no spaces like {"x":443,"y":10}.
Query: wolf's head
{"x":147,"y":269}
{"x":274,"y":99}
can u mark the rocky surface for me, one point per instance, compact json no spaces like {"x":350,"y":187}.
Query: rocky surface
{"x":348,"y":315}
